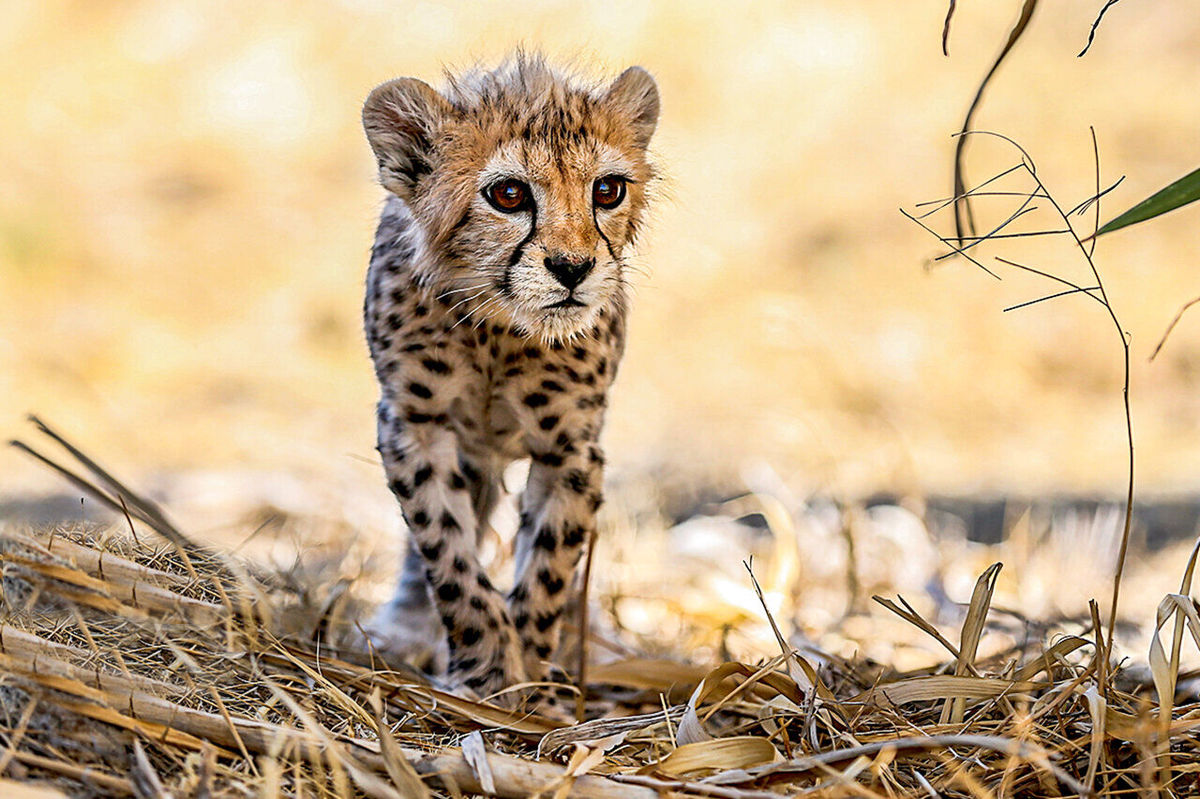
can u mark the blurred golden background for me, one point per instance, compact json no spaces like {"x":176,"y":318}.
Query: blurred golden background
{"x":187,"y":205}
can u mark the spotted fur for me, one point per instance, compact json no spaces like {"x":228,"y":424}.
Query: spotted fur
{"x":485,"y":352}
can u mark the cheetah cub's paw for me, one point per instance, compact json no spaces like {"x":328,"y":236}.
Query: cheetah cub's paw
{"x":407,"y":631}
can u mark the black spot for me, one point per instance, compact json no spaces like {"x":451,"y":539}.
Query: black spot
{"x":431,"y":550}
{"x":548,"y":458}
{"x":543,"y":650}
{"x":515,"y":371}
{"x":536,"y":400}
{"x":546,"y":540}
{"x":483,"y":337}
{"x":421,"y":310}
{"x":469,"y":471}
{"x":397,"y":295}
{"x":448,"y":592}
{"x":457,"y":481}
{"x":449,"y":522}
{"x":483,"y":582}
{"x":466,"y":664}
{"x":426,"y":330}
{"x":419,"y":390}
{"x":477,"y":603}
{"x":460,"y":565}
{"x":412,"y":348}
{"x":533,"y":353}
{"x":580,"y":354}
{"x":422,"y":475}
{"x":544,"y":622}
{"x":415,"y":417}
{"x":573,"y":535}
{"x":595,"y":455}
{"x":400,"y":489}
{"x":394,"y":322}
{"x":594,"y":401}
{"x":518,"y":594}
{"x":589,"y":379}
{"x":521,"y":621}
{"x":576,"y":480}
{"x":551,"y":368}
{"x":420,"y":519}
{"x":563,"y":440}
{"x":470,"y":635}
{"x":595,"y":501}
{"x":602,"y":367}
{"x":552,"y":583}
{"x":512,"y":358}
{"x":548,"y":422}
{"x":436,"y":366}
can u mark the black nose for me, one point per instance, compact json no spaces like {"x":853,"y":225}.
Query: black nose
{"x":568,"y":271}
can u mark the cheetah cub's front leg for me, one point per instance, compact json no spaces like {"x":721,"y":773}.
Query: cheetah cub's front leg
{"x":495,"y":314}
{"x":423,"y":467}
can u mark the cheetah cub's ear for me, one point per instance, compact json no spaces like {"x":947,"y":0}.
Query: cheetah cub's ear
{"x":402,"y":118}
{"x":635,"y":95}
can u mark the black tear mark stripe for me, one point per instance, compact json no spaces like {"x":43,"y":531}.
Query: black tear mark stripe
{"x":506,"y":281}
{"x":607,"y":243}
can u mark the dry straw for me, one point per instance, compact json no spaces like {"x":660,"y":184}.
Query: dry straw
{"x":144,"y":669}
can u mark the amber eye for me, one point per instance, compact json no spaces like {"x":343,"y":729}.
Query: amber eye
{"x":607,"y":192}
{"x":508,"y":195}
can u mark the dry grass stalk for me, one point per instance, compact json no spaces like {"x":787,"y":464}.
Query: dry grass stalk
{"x":220,"y":708}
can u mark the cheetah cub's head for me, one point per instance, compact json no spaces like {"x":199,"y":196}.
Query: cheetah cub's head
{"x":527,"y":187}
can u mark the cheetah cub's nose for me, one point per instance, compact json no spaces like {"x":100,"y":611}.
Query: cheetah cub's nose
{"x":568,"y":271}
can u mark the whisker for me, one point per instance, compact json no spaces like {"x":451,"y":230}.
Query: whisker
{"x":448,"y":292}
{"x":468,"y":299}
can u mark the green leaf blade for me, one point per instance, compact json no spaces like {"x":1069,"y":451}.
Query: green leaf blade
{"x":1180,"y":193}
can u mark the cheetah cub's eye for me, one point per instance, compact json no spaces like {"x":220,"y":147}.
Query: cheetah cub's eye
{"x":507,"y":196}
{"x":609,"y":191}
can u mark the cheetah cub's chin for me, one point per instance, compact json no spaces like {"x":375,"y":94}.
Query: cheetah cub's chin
{"x":495,"y":314}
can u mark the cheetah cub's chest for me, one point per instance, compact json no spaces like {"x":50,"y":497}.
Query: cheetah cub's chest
{"x":495,"y":315}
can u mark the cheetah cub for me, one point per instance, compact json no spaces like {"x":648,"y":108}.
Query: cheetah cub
{"x":495,"y":315}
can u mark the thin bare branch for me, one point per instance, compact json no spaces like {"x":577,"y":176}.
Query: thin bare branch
{"x":1096,"y":26}
{"x":1054,"y":296}
{"x":1179,"y":315}
{"x":946,"y":28}
{"x":964,"y":220}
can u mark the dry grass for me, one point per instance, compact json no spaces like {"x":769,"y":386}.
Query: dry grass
{"x":137,"y":667}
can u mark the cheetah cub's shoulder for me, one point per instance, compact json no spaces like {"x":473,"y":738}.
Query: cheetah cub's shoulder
{"x":495,"y":315}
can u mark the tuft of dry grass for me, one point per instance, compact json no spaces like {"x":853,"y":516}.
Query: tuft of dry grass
{"x":147,"y":665}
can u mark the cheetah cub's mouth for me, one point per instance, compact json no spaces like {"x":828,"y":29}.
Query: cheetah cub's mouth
{"x":567,"y":302}
{"x":524,"y":184}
